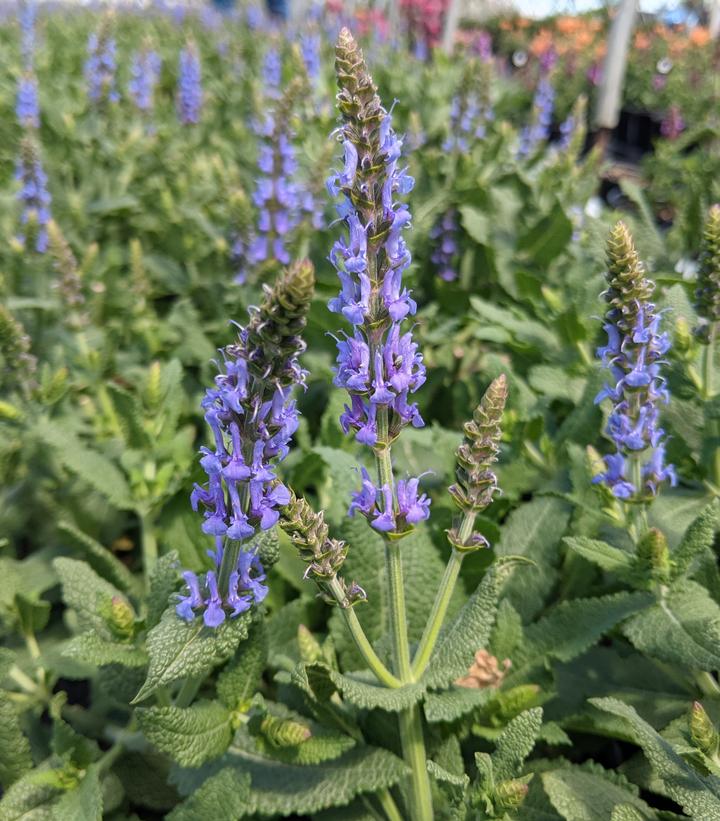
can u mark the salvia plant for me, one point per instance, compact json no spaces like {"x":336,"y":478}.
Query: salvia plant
{"x":424,"y":528}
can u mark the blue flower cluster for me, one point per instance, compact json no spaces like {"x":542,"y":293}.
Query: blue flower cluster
{"x":542,"y":115}
{"x":444,"y":232}
{"x":189,"y":91}
{"x":100,"y":67}
{"x":27,"y":32}
{"x":276,"y":195}
{"x":377,"y":363}
{"x":310,"y":50}
{"x":144,"y":75}
{"x":272,"y":73}
{"x":33,"y":194}
{"x":27,"y":107}
{"x":252,"y":416}
{"x":633,"y":356}
{"x":468,"y":122}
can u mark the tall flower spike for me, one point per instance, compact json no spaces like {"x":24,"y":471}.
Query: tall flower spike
{"x":541,"y":118}
{"x":633,"y":356}
{"x":100,"y":65}
{"x":189,"y":90}
{"x":69,"y":282}
{"x":378,"y":364}
{"x":476,"y":483}
{"x":252,"y":416}
{"x":33,"y":195}
{"x":324,"y":556}
{"x":27,"y":107}
{"x":144,"y":75}
{"x":707,"y":295}
{"x":276,"y":194}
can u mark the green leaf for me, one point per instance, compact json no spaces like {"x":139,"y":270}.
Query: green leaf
{"x":85,"y":802}
{"x":534,"y":531}
{"x":322,"y":745}
{"x":587,"y":796}
{"x":449,"y":705}
{"x":99,"y":558}
{"x":475,"y":223}
{"x":93,"y":649}
{"x":698,"y":796}
{"x":548,"y":237}
{"x":33,"y":614}
{"x":363,"y":690}
{"x":89,"y":465}
{"x":683,"y":628}
{"x":574,"y":626}
{"x":223,"y":797}
{"x":698,"y":537}
{"x":515,"y":744}
{"x":286,"y":789}
{"x":239,"y":680}
{"x":31,"y":797}
{"x":626,"y":812}
{"x":15,"y":758}
{"x":178,"y":648}
{"x":163,"y":583}
{"x":469,"y":632}
{"x":87,"y":594}
{"x":602,"y":554}
{"x":191,"y":736}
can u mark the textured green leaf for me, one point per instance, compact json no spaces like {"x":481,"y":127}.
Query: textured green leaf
{"x":7,"y":659}
{"x":626,"y":812}
{"x":574,"y":626}
{"x":469,"y":632}
{"x":683,"y":628}
{"x":422,"y":571}
{"x":93,"y":649}
{"x":15,"y":758}
{"x":86,"y":593}
{"x":322,"y":745}
{"x":602,"y":554}
{"x":698,"y":796}
{"x":89,"y":465}
{"x":191,"y":736}
{"x":85,"y":802}
{"x":163,"y":583}
{"x":99,"y":558}
{"x":223,"y":797}
{"x":698,"y":538}
{"x":449,"y":705}
{"x":240,"y":679}
{"x":30,"y":798}
{"x":515,"y":744}
{"x":533,"y":531}
{"x":284,"y":789}
{"x":584,"y":796}
{"x":178,"y":649}
{"x":363,"y":690}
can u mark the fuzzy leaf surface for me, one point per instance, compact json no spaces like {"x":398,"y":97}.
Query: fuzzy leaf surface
{"x":698,"y":538}
{"x":99,"y":558}
{"x":469,"y":632}
{"x":223,"y":797}
{"x":516,"y":743}
{"x":178,"y":648}
{"x":15,"y":758}
{"x":86,"y":593}
{"x":239,"y":680}
{"x":91,"y":648}
{"x":683,"y":628}
{"x":84,"y":803}
{"x":602,"y":554}
{"x":698,"y":796}
{"x":192,"y":735}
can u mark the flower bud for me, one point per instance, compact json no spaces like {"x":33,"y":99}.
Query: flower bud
{"x":509,"y":795}
{"x":702,"y":731}
{"x":310,"y":650}
{"x":654,"y":555}
{"x":284,"y":732}
{"x":707,"y":295}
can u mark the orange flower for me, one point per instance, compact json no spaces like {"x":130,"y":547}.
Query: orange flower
{"x":642,"y":41}
{"x":699,"y":36}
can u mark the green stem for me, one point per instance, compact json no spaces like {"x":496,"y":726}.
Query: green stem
{"x":638,"y":511}
{"x":108,"y":758}
{"x":413,"y":743}
{"x":708,"y":364}
{"x":389,"y":806}
{"x":361,"y":640}
{"x":188,"y":691}
{"x":708,"y":684}
{"x":410,"y":720}
{"x":149,"y":545}
{"x":442,"y":600}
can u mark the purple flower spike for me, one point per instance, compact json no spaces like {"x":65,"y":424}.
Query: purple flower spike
{"x":189,"y":91}
{"x":633,"y":355}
